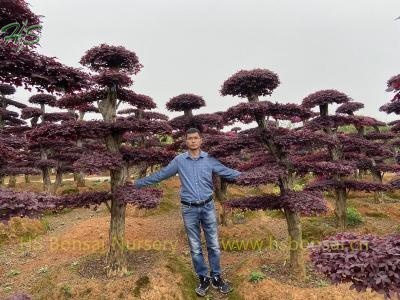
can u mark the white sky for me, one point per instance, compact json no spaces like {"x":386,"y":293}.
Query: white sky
{"x":189,"y":46}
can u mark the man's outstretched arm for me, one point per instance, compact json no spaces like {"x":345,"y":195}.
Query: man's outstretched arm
{"x":166,"y":172}
{"x":223,"y":170}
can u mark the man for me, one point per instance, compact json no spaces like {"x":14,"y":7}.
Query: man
{"x":195,"y":169}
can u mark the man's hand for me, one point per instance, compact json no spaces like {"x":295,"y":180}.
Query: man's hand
{"x":130,"y":181}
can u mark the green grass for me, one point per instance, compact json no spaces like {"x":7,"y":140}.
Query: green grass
{"x":177,"y":266}
{"x":66,"y":291}
{"x":167,"y":204}
{"x":277,"y":213}
{"x":354,"y":217}
{"x":316,"y":228}
{"x":256,"y":276}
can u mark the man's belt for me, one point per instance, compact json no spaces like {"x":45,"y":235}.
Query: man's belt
{"x":196,"y":203}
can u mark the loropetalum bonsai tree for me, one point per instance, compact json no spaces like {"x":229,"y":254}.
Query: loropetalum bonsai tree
{"x":143,"y":151}
{"x":24,"y":66}
{"x":340,"y":161}
{"x":393,"y":85}
{"x":376,"y":157}
{"x":368,"y":262}
{"x":272,"y":150}
{"x":9,"y":125}
{"x":46,"y":150}
{"x":114,"y":66}
{"x":79,"y":176}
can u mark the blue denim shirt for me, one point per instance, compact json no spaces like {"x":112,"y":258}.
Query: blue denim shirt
{"x":195,"y":175}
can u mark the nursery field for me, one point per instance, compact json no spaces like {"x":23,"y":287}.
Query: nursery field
{"x":61,"y":255}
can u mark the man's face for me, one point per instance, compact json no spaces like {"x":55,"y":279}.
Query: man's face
{"x":193,"y":141}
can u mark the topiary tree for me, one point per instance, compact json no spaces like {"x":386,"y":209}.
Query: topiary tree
{"x":114,"y":66}
{"x":376,"y":156}
{"x":24,"y":66}
{"x":138,"y":147}
{"x":47,"y":150}
{"x":273,"y":151}
{"x":341,"y":159}
{"x":8,"y":121}
{"x":393,"y":85}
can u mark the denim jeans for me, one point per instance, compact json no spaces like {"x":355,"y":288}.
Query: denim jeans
{"x":204,"y":216}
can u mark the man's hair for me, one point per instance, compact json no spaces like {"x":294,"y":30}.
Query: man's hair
{"x":192,"y":130}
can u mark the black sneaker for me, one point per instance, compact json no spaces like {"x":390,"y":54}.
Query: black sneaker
{"x":203,"y":286}
{"x":218,"y":283}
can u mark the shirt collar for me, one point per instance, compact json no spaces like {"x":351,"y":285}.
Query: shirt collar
{"x":202,"y":154}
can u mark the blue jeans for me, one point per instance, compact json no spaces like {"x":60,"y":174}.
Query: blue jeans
{"x":204,"y":215}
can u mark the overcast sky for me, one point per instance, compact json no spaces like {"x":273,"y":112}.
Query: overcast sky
{"x":193,"y":46}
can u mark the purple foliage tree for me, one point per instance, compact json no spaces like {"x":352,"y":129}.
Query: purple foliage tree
{"x":12,"y":134}
{"x":272,"y":152}
{"x":114,"y":66}
{"x":52,"y":152}
{"x":393,"y":85}
{"x":377,"y":154}
{"x":343,"y":154}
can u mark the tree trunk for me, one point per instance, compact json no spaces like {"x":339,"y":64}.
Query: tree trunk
{"x":79,"y":177}
{"x":46,"y":180}
{"x":1,"y":180}
{"x":377,"y":177}
{"x":340,"y":208}
{"x":295,"y":244}
{"x":116,"y":255}
{"x":45,"y":172}
{"x":221,"y":195}
{"x":12,"y":181}
{"x":143,"y":172}
{"x":296,"y":250}
{"x":27,"y":179}
{"x":340,"y":193}
{"x":59,"y":175}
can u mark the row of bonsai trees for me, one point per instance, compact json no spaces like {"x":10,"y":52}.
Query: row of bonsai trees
{"x":268,"y":153}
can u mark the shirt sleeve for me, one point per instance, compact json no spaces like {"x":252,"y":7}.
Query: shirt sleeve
{"x":166,"y":172}
{"x":223,"y":170}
